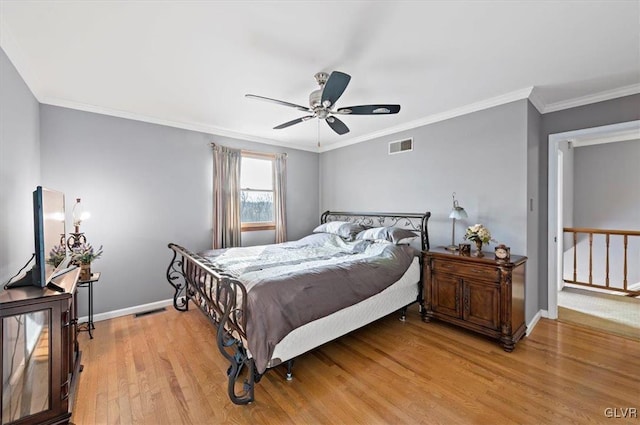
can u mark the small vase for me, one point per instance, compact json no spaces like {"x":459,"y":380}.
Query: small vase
{"x":478,"y":252}
{"x":85,"y":271}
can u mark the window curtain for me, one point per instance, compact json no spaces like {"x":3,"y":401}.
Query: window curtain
{"x":279,"y":205}
{"x":226,"y":197}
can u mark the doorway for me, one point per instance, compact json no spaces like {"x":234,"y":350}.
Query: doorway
{"x":560,"y":195}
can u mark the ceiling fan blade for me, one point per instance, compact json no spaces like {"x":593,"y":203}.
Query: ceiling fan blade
{"x":369,"y":110}
{"x":278,"y":102}
{"x":337,"y":125}
{"x":292,"y":122}
{"x":334,"y":87}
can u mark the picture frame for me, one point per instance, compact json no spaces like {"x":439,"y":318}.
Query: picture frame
{"x":464,"y":248}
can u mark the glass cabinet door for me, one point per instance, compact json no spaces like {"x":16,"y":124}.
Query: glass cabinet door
{"x":26,"y":364}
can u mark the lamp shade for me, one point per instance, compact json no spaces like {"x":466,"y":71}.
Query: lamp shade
{"x":458,"y":212}
{"x":79,"y":214}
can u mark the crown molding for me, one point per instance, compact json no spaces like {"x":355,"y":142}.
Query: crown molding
{"x":199,"y":127}
{"x":464,"y":110}
{"x":592,"y":98}
{"x":536,"y":100}
{"x":530,"y":93}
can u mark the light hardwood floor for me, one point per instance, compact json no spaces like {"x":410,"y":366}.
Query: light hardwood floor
{"x":165,"y":369}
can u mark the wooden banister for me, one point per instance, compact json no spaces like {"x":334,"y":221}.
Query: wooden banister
{"x":602,"y":231}
{"x":607,"y":233}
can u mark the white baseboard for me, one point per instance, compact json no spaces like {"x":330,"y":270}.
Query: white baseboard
{"x":126,"y":311}
{"x":532,"y":324}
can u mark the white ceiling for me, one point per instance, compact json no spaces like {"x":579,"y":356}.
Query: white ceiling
{"x":190,"y":63}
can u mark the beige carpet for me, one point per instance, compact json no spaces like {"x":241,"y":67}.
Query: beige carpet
{"x":615,"y":314}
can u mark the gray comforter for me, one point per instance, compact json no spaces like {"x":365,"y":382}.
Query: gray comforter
{"x":294,"y":283}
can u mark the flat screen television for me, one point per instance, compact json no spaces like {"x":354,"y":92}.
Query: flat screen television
{"x":49,"y":236}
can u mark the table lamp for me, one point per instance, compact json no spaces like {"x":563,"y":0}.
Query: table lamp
{"x":77,"y":238}
{"x":457,"y":212}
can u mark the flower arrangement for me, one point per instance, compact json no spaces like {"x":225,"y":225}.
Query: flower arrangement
{"x":478,"y":233}
{"x":57,"y":254}
{"x":85,"y":254}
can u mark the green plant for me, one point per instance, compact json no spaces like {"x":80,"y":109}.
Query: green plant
{"x":57,"y":254}
{"x":85,"y":254}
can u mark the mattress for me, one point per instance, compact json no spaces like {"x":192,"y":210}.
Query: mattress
{"x":315,"y":333}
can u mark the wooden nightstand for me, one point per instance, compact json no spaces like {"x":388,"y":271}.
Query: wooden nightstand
{"x":476,"y":293}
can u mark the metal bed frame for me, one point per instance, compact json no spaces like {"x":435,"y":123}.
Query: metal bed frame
{"x":223,"y":299}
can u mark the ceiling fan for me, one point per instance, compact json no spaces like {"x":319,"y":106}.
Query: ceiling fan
{"x":322,"y":103}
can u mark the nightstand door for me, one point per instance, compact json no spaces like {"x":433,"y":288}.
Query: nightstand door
{"x":446,"y":295}
{"x":481,"y":304}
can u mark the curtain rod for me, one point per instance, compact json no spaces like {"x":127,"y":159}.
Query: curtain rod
{"x":254,"y":153}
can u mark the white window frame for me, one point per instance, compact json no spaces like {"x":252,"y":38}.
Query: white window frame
{"x":259,"y":225}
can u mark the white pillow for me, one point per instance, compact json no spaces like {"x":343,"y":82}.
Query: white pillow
{"x":395,"y":235}
{"x":344,"y":229}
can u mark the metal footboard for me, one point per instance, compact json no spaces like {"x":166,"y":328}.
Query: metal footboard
{"x":223,"y":300}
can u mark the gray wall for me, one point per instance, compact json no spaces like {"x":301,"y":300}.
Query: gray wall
{"x":147,"y":185}
{"x":480,"y":156}
{"x":19,"y":168}
{"x":594,"y":115}
{"x":534,"y":214}
{"x":19,"y":176}
{"x":607,"y":186}
{"x":483,"y":157}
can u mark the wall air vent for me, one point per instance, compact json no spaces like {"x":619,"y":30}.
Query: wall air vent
{"x":400,"y":146}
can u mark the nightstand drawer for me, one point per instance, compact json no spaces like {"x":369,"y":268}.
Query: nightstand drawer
{"x":466,"y":270}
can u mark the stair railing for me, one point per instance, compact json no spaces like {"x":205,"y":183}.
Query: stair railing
{"x":607,"y":284}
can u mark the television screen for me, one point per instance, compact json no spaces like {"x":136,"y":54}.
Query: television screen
{"x":52,"y":256}
{"x":49,"y":229}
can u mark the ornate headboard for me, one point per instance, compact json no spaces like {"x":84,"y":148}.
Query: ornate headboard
{"x":412,"y":221}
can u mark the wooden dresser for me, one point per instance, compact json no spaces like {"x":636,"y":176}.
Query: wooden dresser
{"x":477,"y":293}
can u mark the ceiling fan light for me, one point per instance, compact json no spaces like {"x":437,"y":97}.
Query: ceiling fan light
{"x":381,"y":111}
{"x":330,"y":119}
{"x":326,"y":103}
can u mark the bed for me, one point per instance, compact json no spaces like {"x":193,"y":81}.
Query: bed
{"x":272,"y":303}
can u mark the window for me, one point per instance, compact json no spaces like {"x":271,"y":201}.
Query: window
{"x":256,"y":192}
